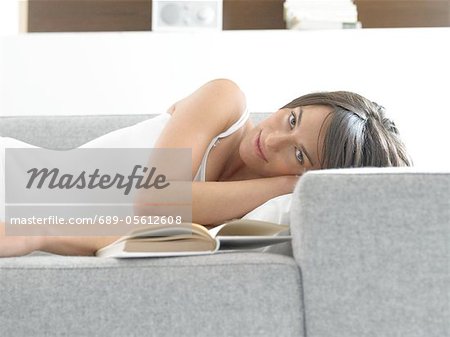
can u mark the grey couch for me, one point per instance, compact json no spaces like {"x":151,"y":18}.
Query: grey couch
{"x":370,"y":257}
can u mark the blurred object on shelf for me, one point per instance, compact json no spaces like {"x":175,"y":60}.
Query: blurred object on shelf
{"x":320,"y":14}
{"x":168,"y":15}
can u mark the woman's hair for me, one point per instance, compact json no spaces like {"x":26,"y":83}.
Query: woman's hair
{"x":359,"y":134}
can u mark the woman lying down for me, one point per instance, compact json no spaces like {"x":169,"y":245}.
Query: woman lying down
{"x":240,"y":165}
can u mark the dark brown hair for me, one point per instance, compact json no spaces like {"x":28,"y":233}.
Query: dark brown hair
{"x":358,"y":132}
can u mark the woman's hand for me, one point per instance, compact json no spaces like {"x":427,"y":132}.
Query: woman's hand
{"x":291,"y":182}
{"x":16,"y":245}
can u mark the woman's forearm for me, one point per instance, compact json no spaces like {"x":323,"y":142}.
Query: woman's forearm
{"x":216,"y":202}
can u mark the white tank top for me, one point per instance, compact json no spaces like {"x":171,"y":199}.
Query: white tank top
{"x":140,"y":135}
{"x":201,"y":173}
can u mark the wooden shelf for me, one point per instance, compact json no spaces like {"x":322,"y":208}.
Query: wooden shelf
{"x":135,"y":15}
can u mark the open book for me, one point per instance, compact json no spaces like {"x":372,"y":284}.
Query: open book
{"x":194,"y":239}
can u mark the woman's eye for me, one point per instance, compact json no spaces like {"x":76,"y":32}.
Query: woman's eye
{"x":292,"y":120}
{"x":299,"y":156}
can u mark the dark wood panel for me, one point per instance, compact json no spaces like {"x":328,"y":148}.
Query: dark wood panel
{"x":403,"y":13}
{"x":89,"y":15}
{"x":253,"y":14}
{"x":135,"y":15}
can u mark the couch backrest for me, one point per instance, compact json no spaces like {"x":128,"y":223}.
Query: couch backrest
{"x":67,"y":132}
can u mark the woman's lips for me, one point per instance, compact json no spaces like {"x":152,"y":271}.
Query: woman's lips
{"x":259,"y":149}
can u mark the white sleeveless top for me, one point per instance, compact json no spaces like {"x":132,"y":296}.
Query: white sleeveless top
{"x":201,"y":173}
{"x":141,"y":135}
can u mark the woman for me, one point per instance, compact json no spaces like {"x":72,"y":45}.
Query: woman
{"x":241,"y":166}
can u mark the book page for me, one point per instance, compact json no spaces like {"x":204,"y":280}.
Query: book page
{"x":167,"y":231}
{"x":247,"y":227}
{"x":244,"y":234}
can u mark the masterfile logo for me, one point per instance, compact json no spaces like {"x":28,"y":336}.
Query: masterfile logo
{"x":114,"y":188}
{"x":54,"y":179}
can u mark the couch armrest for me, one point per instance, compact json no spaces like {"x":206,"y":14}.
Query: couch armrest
{"x":373,"y":246}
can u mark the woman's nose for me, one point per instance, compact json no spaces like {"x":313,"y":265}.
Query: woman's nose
{"x":277,"y":140}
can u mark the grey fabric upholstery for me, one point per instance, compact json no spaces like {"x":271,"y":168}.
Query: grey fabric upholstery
{"x":247,"y":294}
{"x":63,"y":132}
{"x":68,"y":132}
{"x":373,"y":246}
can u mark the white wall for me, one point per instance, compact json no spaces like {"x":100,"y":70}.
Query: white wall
{"x":9,"y":17}
{"x":405,"y":70}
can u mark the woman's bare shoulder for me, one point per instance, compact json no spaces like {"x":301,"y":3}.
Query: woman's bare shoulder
{"x":201,"y":116}
{"x":220,"y":101}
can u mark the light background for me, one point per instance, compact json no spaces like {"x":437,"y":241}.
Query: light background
{"x":405,"y":70}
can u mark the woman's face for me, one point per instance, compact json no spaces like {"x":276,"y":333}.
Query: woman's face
{"x":288,"y":142}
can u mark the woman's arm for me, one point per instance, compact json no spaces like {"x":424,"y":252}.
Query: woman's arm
{"x":217,"y":202}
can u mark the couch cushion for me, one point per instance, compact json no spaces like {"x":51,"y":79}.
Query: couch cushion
{"x":232,"y":294}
